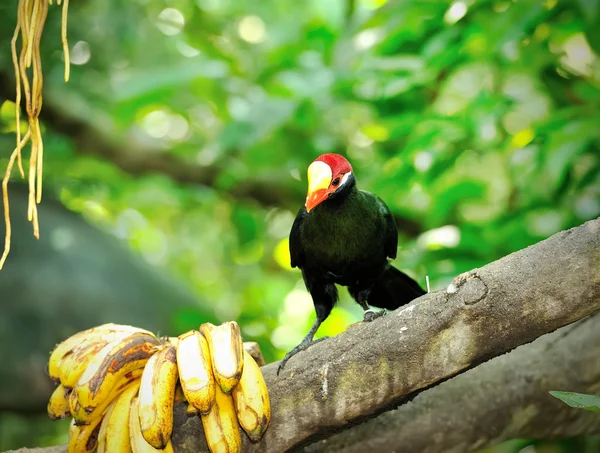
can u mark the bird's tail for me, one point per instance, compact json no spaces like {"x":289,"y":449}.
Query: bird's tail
{"x":394,"y":289}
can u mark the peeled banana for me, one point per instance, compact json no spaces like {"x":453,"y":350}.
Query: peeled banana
{"x":119,"y":383}
{"x":136,"y":439}
{"x":107,"y":332}
{"x":251,"y":399}
{"x":221,"y":426}
{"x":195,"y":370}
{"x":226,"y":353}
{"x":110,"y":365}
{"x":157,"y":392}
{"x":58,"y":405}
{"x":114,"y":430}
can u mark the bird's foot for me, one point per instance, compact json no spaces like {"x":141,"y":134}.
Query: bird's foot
{"x":371,"y":315}
{"x":301,"y":347}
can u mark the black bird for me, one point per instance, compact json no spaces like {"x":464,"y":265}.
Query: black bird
{"x":343,"y":235}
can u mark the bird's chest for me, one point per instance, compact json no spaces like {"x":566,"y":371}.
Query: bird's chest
{"x":343,"y":242}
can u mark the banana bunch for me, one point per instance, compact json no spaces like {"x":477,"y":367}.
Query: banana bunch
{"x":119,"y":384}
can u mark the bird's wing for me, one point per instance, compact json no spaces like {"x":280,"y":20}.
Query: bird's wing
{"x":296,"y":249}
{"x":391,"y":230}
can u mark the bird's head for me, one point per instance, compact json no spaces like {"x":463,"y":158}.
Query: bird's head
{"x":328,"y":175}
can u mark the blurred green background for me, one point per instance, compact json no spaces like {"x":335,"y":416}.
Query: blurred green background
{"x":186,"y":129}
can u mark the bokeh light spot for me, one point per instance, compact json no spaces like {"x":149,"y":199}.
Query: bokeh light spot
{"x":252,"y":29}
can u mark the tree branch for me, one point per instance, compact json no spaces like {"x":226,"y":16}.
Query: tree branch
{"x":505,"y":398}
{"x":375,"y":367}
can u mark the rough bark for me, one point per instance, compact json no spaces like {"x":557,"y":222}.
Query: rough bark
{"x":502,"y":399}
{"x":375,"y":367}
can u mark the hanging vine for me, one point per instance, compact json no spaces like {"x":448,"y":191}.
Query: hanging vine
{"x":31,"y":17}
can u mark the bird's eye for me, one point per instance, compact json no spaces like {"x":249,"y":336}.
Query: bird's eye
{"x":336,"y":181}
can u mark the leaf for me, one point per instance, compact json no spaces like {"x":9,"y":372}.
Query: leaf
{"x":579,"y":400}
{"x":564,"y":144}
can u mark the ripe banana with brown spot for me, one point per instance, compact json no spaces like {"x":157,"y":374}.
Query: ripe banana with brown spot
{"x":251,"y":399}
{"x":58,"y":405}
{"x":156,"y":395}
{"x":114,"y":430}
{"x":136,"y":439}
{"x":226,"y":353}
{"x":107,"y":332}
{"x":83,"y":438}
{"x":110,"y":365}
{"x":75,"y":363}
{"x":82,"y":416}
{"x":221,"y":426}
{"x":195,"y":370}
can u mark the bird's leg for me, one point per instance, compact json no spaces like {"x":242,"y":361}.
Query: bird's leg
{"x":369,"y":315}
{"x":305,"y":344}
{"x":324,"y":294}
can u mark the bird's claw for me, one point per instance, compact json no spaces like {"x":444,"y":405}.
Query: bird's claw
{"x":301,"y":347}
{"x":371,"y":315}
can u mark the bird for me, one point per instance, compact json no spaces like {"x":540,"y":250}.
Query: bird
{"x":343,"y":235}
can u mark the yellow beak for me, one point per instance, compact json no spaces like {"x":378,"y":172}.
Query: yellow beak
{"x":319,"y":179}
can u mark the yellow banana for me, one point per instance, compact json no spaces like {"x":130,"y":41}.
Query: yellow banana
{"x":253,"y":348}
{"x":58,"y":405}
{"x":226,"y":353}
{"x":251,"y":400}
{"x":107,"y":332}
{"x":174,"y":341}
{"x":155,"y":400}
{"x":114,"y":430}
{"x":75,"y":363}
{"x":137,"y":441}
{"x":221,"y":426}
{"x":110,"y":365}
{"x":83,"y":438}
{"x":84,"y":417}
{"x":101,"y":446}
{"x":179,"y":396}
{"x":195,"y":370}
{"x":192,"y":410}
{"x":74,"y":406}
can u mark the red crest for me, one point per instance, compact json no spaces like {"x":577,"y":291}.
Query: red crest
{"x":339,"y":164}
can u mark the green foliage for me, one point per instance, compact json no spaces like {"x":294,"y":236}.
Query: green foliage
{"x":580,"y":400}
{"x":475,"y":120}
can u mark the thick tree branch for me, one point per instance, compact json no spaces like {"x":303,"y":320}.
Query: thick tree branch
{"x":375,"y":367}
{"x":502,"y":399}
